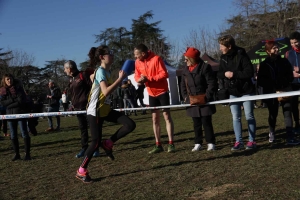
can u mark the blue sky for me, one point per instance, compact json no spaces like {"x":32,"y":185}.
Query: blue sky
{"x":55,"y":29}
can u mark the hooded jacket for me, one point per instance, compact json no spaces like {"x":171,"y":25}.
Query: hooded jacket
{"x":156,"y":72}
{"x":237,"y":61}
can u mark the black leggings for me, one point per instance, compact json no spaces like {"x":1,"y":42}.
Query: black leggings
{"x":273,"y":106}
{"x":206,"y":122}
{"x":96,"y":131}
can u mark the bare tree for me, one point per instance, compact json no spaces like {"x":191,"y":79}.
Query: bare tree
{"x":20,"y":58}
{"x":262,"y":19}
{"x":203,"y":39}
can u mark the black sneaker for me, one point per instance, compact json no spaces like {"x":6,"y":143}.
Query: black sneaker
{"x":108,"y":149}
{"x":84,"y":177}
{"x":16,"y":157}
{"x":292,"y":142}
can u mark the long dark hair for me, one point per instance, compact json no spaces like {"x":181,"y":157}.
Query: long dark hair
{"x":94,"y":54}
{"x":3,"y":84}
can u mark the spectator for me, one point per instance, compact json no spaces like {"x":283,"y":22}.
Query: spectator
{"x":198,"y":78}
{"x":13,"y":97}
{"x":293,"y":56}
{"x":237,"y":71}
{"x":53,"y":96}
{"x":151,"y":70}
{"x":276,"y":74}
{"x":127,"y":97}
{"x":79,"y":89}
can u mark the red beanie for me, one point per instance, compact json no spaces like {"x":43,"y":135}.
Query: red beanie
{"x":192,"y":52}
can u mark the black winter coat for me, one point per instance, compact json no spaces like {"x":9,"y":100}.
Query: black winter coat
{"x":275,"y":75}
{"x":15,"y":104}
{"x":201,"y":80}
{"x":56,"y":96}
{"x":237,"y":61}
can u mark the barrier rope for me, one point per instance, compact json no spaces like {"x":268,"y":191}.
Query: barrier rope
{"x":239,"y":99}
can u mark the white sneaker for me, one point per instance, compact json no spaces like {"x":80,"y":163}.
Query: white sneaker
{"x":210,"y":147}
{"x":271,"y":137}
{"x":197,"y":147}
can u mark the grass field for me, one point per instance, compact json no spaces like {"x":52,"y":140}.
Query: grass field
{"x":270,"y":172}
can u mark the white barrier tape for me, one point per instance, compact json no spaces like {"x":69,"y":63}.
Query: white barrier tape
{"x":31,"y":115}
{"x":239,"y":99}
{"x":247,"y":98}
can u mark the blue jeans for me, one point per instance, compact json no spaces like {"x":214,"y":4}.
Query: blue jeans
{"x":13,"y":128}
{"x":236,"y":112}
{"x":54,"y":109}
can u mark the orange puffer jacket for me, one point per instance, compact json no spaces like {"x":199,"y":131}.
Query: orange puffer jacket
{"x":156,"y":72}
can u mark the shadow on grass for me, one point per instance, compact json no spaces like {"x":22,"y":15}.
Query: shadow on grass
{"x":241,"y":153}
{"x":57,"y":142}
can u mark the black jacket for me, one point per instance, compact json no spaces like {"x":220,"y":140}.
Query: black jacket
{"x":56,"y":96}
{"x":275,"y":75}
{"x":201,"y":80}
{"x":15,"y":104}
{"x":237,"y":61}
{"x":79,"y":89}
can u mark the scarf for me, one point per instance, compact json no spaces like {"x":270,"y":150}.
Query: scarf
{"x":192,"y":67}
{"x":297,"y":50}
{"x":12,"y":91}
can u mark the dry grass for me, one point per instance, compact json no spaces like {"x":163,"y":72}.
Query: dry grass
{"x":271,"y":172}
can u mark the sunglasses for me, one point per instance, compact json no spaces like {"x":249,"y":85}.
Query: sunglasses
{"x":111,"y":53}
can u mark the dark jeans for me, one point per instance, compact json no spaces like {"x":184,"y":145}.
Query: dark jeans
{"x":54,"y":109}
{"x":206,"y":122}
{"x":83,"y":126}
{"x":295,"y":103}
{"x":128,"y":125}
{"x":13,"y":128}
{"x":273,"y":107}
{"x":3,"y":123}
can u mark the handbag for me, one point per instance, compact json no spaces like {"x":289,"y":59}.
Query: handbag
{"x":199,"y":99}
{"x":282,"y":99}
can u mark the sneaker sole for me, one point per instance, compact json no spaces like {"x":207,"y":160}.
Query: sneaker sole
{"x":79,"y":178}
{"x":154,"y":152}
{"x":237,"y":150}
{"x":210,"y":149}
